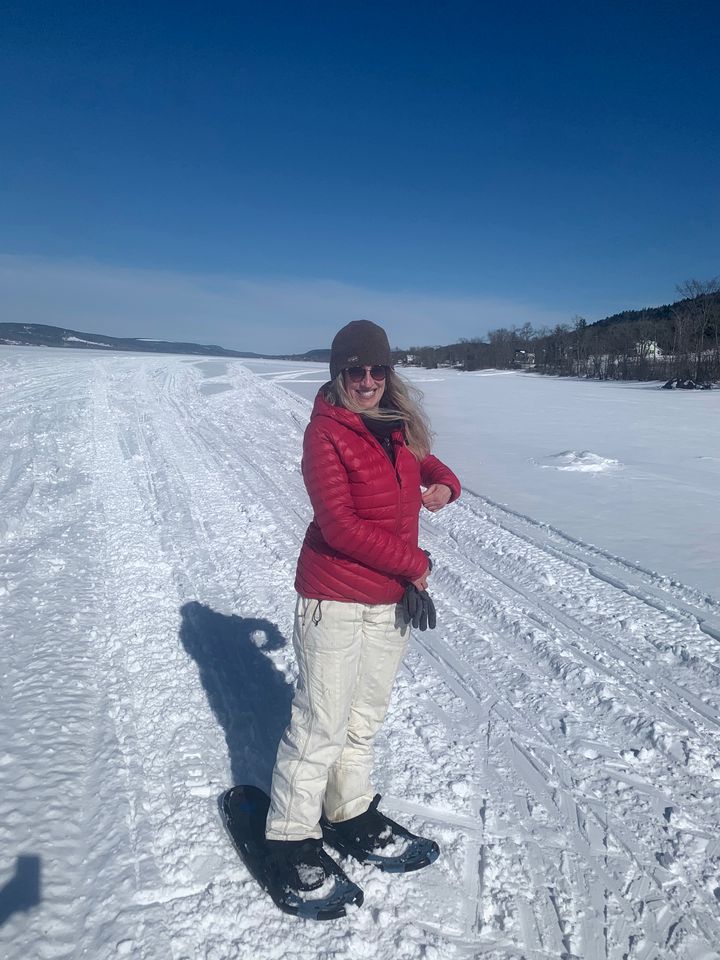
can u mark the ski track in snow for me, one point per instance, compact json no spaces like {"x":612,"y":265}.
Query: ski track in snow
{"x":558,"y":732}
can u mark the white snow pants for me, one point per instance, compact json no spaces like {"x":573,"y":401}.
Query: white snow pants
{"x":348,"y":656}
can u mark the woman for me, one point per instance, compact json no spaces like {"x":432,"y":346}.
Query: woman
{"x":366,"y":454}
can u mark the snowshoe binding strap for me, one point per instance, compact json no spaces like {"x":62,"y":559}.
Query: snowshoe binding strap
{"x":364,"y":837}
{"x":297,"y":863}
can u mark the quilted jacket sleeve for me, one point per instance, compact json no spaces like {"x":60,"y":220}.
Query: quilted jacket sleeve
{"x":433,"y":470}
{"x":328,"y":487}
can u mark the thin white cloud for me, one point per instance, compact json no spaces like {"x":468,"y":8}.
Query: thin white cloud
{"x":262,"y":315}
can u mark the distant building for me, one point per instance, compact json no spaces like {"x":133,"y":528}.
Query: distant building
{"x":524,"y":360}
{"x":649,"y":350}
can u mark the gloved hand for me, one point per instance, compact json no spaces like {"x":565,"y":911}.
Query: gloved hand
{"x":411,"y":605}
{"x":428,"y":617}
{"x":418,"y":608}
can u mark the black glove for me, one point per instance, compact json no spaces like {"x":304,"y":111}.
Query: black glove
{"x":428,"y":617}
{"x":418,"y":608}
{"x":411,"y":605}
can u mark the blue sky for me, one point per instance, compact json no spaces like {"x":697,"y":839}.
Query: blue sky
{"x":257,"y":174}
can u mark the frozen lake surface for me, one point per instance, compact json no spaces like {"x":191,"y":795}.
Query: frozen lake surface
{"x":557,"y":733}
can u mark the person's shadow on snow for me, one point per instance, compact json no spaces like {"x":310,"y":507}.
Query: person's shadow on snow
{"x":250,"y":697}
{"x":23,"y":890}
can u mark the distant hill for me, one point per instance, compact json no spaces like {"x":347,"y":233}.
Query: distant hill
{"x":43,"y":335}
{"x":318,"y":356}
{"x":653,"y":314}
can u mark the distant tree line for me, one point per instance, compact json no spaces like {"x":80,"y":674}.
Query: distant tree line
{"x":680,"y":340}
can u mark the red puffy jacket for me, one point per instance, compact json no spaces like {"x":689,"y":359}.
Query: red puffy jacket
{"x":362,"y":545}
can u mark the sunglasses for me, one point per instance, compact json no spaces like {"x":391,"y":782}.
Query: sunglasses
{"x":356,"y":374}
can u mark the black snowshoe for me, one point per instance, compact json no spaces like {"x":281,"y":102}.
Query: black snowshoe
{"x":300,"y":877}
{"x":374,"y":838}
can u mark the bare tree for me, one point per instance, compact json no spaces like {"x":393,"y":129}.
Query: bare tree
{"x":697,"y":318}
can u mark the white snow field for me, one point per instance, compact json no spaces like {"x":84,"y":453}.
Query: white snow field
{"x":557,"y":733}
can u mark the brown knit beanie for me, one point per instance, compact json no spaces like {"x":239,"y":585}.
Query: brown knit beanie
{"x":361,"y":343}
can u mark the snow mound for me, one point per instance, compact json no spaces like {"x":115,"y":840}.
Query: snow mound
{"x":580,"y":461}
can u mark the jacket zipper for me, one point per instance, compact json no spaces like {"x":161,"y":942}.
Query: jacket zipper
{"x":394,"y":465}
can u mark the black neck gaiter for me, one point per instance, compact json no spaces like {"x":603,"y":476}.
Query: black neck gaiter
{"x":382,"y":431}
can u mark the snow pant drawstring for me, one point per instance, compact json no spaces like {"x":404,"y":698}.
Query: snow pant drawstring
{"x":317,"y":614}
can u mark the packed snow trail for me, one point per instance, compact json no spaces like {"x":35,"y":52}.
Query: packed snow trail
{"x":557,"y":734}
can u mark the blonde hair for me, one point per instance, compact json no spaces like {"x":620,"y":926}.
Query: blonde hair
{"x":400,"y":401}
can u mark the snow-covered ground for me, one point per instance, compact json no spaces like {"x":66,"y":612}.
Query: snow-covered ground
{"x":557,"y":733}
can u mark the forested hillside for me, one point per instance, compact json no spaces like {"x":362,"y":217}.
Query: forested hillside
{"x":678,"y":340}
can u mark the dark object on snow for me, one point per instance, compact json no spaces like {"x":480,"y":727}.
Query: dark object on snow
{"x":686,"y":383}
{"x":418,"y":608}
{"x":244,"y":811}
{"x":366,"y":836}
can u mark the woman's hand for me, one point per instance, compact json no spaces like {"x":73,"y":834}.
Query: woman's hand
{"x":422,"y":582}
{"x":436,"y":497}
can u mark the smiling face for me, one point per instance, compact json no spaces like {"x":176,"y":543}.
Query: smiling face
{"x":366,"y":392}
